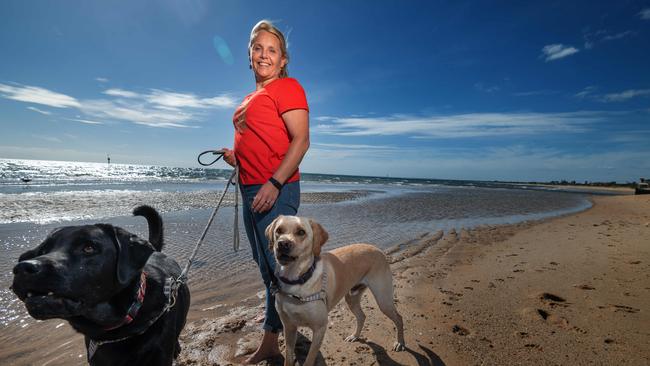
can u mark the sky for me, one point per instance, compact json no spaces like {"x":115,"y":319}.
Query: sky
{"x":480,"y":90}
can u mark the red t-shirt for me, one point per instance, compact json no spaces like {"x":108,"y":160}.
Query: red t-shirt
{"x":262,"y":141}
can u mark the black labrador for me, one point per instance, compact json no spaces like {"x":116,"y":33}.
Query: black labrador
{"x":110,"y":285}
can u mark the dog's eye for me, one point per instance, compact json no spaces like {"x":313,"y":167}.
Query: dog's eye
{"x":89,"y":249}
{"x":279,"y":231}
{"x":300,"y":232}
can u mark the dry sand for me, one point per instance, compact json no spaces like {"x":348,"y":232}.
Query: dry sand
{"x":573,"y":290}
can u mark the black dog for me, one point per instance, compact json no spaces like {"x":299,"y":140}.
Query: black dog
{"x":110,"y":286}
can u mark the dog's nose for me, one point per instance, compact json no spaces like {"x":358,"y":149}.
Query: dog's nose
{"x":28,"y":267}
{"x":284,"y":246}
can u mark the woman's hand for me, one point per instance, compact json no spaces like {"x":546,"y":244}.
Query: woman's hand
{"x":265,"y":198}
{"x":229,"y":156}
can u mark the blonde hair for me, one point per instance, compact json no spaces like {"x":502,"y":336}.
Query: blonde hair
{"x":266,"y":25}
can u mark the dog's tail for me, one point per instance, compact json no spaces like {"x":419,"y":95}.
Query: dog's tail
{"x":155,"y":225}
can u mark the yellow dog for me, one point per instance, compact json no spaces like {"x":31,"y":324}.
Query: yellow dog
{"x":311,"y":283}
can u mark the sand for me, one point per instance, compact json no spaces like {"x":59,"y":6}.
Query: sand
{"x":572,"y":290}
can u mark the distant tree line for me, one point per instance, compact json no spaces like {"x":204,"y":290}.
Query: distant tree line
{"x":588,"y":183}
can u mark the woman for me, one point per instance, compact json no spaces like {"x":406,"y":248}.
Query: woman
{"x":271,"y":138}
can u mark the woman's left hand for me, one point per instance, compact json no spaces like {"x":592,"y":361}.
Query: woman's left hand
{"x":265,"y":198}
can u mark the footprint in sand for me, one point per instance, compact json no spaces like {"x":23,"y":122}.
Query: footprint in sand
{"x":585,"y":287}
{"x":578,"y":330}
{"x":523,"y":335}
{"x":553,"y":300}
{"x":622,"y":308}
{"x":558,"y":321}
{"x":533,"y":346}
{"x":461,"y":331}
{"x":543,"y":313}
{"x":550,"y":297}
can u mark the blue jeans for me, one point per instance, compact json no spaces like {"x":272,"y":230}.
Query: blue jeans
{"x":287,"y":203}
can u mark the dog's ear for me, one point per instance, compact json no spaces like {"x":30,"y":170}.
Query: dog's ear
{"x":132,"y":253}
{"x":320,"y":236}
{"x":268,"y":232}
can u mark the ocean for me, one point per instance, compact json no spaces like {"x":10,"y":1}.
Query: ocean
{"x":38,"y":196}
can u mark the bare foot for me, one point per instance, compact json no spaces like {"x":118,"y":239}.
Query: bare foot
{"x":260,"y":356}
{"x":259,"y":319}
{"x":267,"y":349}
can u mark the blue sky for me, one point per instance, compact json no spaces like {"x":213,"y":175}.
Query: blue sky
{"x":503,"y":90}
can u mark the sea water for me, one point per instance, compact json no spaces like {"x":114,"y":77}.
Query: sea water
{"x":380,"y":210}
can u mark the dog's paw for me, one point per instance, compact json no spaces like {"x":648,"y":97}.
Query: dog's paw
{"x":399,"y":347}
{"x":351,"y":338}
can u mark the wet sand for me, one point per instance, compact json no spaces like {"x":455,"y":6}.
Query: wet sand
{"x":568,"y":290}
{"x":573,"y":290}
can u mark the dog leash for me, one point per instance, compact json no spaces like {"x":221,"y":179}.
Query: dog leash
{"x":172,"y":284}
{"x":234,"y":180}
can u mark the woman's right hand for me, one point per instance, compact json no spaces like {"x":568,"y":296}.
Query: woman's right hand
{"x":229,"y":157}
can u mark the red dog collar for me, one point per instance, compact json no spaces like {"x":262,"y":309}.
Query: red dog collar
{"x":136,"y":305}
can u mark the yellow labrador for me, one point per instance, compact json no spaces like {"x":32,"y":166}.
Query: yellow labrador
{"x":312,"y":283}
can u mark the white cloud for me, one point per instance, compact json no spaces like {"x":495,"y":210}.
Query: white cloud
{"x":88,"y":122}
{"x":47,"y":113}
{"x":586,"y":92}
{"x":461,"y":125}
{"x":174,"y":100}
{"x":120,"y":93}
{"x":47,"y":138}
{"x":135,"y":113}
{"x":557,"y":51}
{"x":353,"y":146}
{"x":34,"y":94}
{"x":157,"y":108}
{"x":535,"y":93}
{"x":645,"y":14}
{"x":101,"y":80}
{"x":625,"y":95}
{"x":486,"y":88}
{"x":612,"y":37}
{"x":512,"y":162}
{"x":180,"y":100}
{"x":593,"y":38}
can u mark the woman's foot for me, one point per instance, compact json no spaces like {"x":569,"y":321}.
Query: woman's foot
{"x":267,"y":349}
{"x":259,"y":319}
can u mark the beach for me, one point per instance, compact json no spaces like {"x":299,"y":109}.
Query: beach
{"x":569,"y":290}
{"x":484,"y":273}
{"x":572,"y":290}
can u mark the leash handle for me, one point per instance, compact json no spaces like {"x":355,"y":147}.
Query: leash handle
{"x":213,"y":152}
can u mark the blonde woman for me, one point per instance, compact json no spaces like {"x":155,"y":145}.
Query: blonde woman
{"x":271,"y":138}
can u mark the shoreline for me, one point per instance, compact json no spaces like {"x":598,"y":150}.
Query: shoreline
{"x":563,"y":290}
{"x":489,"y":295}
